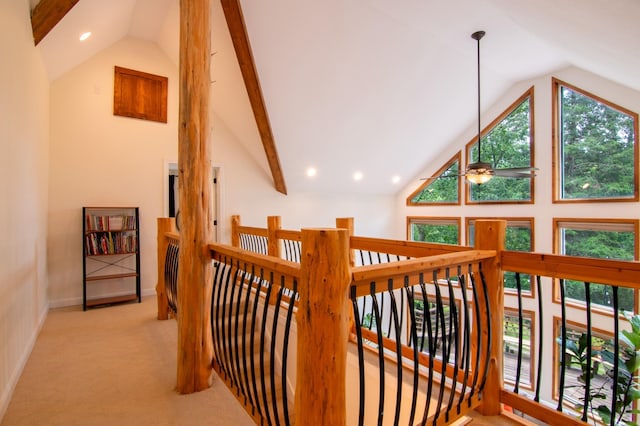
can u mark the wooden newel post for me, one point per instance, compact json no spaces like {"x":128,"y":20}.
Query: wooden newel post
{"x":165,"y":224}
{"x":323,"y":320}
{"x":490,"y":235}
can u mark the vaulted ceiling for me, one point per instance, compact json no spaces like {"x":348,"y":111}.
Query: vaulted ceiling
{"x":373,"y":86}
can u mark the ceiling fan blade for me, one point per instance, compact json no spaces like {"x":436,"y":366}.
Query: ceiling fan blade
{"x":515,"y":173}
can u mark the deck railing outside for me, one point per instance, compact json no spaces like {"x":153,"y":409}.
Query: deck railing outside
{"x":424,"y":309}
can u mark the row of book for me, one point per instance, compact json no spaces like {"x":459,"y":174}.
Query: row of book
{"x":111,"y":243}
{"x":110,"y":223}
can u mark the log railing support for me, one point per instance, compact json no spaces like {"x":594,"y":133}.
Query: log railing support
{"x":323,"y":320}
{"x":235,"y":234}
{"x":194,"y":163}
{"x":165,"y":224}
{"x":490,"y":235}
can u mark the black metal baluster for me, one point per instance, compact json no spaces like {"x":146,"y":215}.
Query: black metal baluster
{"x":489,"y":328}
{"x":540,"y":339}
{"x":358,"y":326}
{"x":445,"y":350}
{"x":466,"y":358}
{"x":263,"y":328}
{"x":476,"y":368}
{"x":616,"y":356}
{"x":563,"y":346}
{"x":272,"y":352}
{"x":587,"y":379}
{"x":413,"y":338}
{"x":285,"y":351}
{"x":376,"y":312}
{"x":453,"y":325}
{"x":394,"y":319}
{"x":519,"y":359}
{"x":245,"y":355}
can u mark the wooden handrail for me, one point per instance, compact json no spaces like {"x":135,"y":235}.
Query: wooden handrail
{"x":573,"y":267}
{"x":412,"y":268}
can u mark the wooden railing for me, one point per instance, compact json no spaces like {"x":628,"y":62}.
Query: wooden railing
{"x":450,"y":347}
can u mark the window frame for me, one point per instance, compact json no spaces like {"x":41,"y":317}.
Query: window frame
{"x":582,"y":223}
{"x":428,"y":181}
{"x":529,"y":93}
{"x":514,"y":220}
{"x":556,"y":142}
{"x":434,"y":220}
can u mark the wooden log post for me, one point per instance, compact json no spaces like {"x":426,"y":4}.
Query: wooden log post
{"x":235,"y":233}
{"x":347,"y":223}
{"x":323,"y":320}
{"x":273,"y":249}
{"x":490,"y":235}
{"x":165,"y":224}
{"x":196,"y":230}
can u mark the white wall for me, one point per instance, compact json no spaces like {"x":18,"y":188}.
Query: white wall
{"x":248,"y":191}
{"x":98,"y":159}
{"x":24,"y":151}
{"x":544,"y":209}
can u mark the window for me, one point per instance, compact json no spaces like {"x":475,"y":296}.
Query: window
{"x":594,"y":146}
{"x":445,"y":230}
{"x":443,"y":188}
{"x":603,"y":239}
{"x":519,"y":237}
{"x":507,"y":142}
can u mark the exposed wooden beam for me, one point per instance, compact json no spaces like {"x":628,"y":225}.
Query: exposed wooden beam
{"x":47,"y":14}
{"x":238,"y":31}
{"x":194,"y":163}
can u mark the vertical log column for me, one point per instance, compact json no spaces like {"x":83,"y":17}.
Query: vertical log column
{"x":323,"y":320}
{"x":165,"y":224}
{"x":490,"y":235}
{"x":196,"y":230}
{"x":235,"y":233}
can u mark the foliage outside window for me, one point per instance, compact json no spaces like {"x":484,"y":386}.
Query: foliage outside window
{"x":518,"y":237}
{"x":506,"y":143}
{"x":599,"y":238}
{"x":444,"y":188}
{"x":434,"y":230}
{"x":596,"y":149}
{"x":511,"y":333}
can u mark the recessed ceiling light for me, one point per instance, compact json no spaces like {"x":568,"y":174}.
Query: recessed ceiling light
{"x":395,"y":179}
{"x":85,"y":36}
{"x":358,"y":176}
{"x":311,"y":172}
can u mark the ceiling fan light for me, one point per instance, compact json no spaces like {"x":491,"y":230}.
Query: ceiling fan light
{"x":479,"y":173}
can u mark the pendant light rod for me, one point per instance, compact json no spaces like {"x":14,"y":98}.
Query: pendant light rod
{"x":477,"y":36}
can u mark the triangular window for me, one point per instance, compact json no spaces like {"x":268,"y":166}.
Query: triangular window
{"x":443,"y":188}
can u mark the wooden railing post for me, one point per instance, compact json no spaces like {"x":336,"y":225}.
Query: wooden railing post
{"x":235,"y":234}
{"x":490,"y":235}
{"x":165,"y":224}
{"x":347,"y":223}
{"x":322,"y":320}
{"x":273,"y":245}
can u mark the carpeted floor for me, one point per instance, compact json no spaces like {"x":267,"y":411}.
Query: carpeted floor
{"x":112,"y":366}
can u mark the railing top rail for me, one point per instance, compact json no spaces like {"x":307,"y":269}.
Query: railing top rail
{"x":602,"y":271}
{"x":172,"y":235}
{"x":362,"y":276}
{"x":403,"y":247}
{"x":286,"y":234}
{"x":253,"y":230}
{"x":271,"y":263}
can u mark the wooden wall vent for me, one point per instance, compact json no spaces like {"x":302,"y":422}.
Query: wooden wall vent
{"x":138,"y":94}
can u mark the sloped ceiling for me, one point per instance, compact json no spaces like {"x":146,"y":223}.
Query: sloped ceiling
{"x":373,"y":86}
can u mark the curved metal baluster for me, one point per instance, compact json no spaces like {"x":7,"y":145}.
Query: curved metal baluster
{"x":376,"y":312}
{"x":563,"y":346}
{"x":394,"y":319}
{"x":413,"y":338}
{"x":358,"y":326}
{"x":519,"y":360}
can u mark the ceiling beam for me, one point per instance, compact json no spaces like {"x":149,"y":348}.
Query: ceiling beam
{"x":238,"y":31}
{"x":47,"y":14}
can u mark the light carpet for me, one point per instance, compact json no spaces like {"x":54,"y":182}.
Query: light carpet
{"x":113,"y":366}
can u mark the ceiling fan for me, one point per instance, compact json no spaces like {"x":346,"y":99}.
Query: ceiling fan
{"x":480,"y":172}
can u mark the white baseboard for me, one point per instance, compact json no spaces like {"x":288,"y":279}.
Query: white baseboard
{"x":7,"y":393}
{"x":76,"y":301}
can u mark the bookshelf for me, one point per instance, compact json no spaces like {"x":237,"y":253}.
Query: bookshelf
{"x":110,"y":256}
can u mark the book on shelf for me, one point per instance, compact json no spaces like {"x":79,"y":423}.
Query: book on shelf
{"x":110,"y":222}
